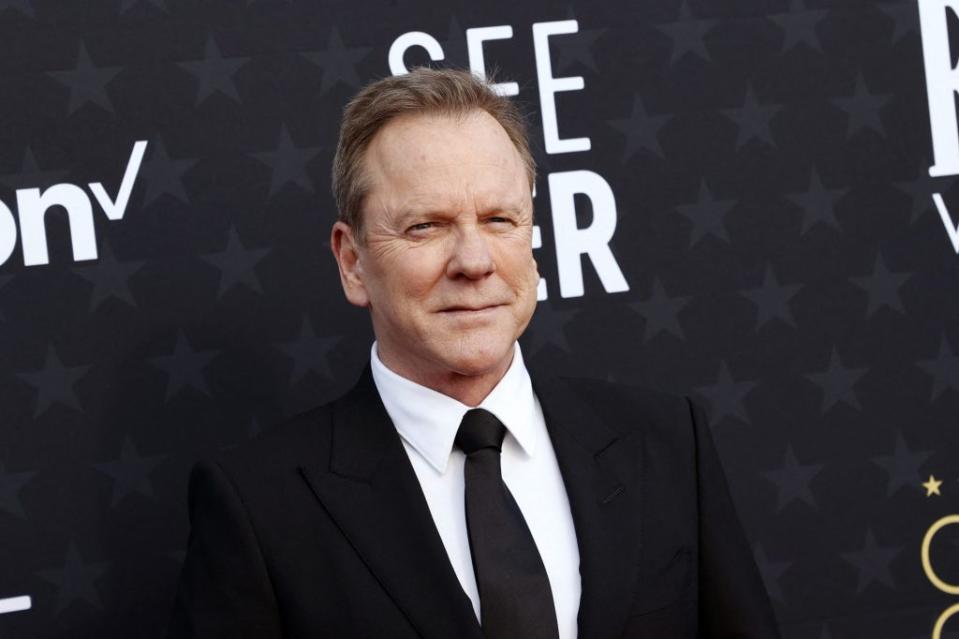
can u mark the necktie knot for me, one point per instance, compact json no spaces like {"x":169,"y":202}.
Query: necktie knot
{"x":479,"y":429}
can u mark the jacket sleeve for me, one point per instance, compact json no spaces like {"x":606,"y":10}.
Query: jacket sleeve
{"x":224,"y":588}
{"x":733,"y":602}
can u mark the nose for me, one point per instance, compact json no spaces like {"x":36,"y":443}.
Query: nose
{"x":471,"y":255}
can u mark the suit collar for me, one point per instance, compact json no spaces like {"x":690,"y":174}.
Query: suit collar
{"x":602,"y":470}
{"x":371,"y":492}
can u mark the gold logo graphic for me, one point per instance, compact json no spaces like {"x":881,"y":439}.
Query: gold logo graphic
{"x":934,"y":578}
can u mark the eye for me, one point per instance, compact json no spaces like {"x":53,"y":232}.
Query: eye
{"x":421,"y":227}
{"x":499,"y":219}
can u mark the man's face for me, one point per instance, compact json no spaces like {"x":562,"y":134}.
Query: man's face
{"x":446,"y":268}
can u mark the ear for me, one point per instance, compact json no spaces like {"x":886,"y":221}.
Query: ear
{"x":346,"y":251}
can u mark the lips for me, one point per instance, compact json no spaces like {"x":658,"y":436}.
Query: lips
{"x":469,"y":309}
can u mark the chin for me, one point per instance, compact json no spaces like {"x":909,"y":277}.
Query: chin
{"x":474,"y":359}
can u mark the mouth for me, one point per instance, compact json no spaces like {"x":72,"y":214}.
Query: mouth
{"x":466,"y":310}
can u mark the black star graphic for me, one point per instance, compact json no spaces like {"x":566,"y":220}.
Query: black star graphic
{"x":338,"y":62}
{"x":872,"y":562}
{"x":771,"y":571}
{"x":75,"y":580}
{"x":903,"y":466}
{"x":792,"y":479}
{"x":237,"y":264}
{"x":23,"y":6}
{"x":922,"y":188}
{"x":641,"y":130}
{"x":10,"y":486}
{"x":772,"y":300}
{"x":882,"y":286}
{"x":87,"y":82}
{"x":309,"y":353}
{"x":454,"y":47}
{"x":687,"y":34}
{"x":548,"y":327}
{"x":799,"y":26}
{"x":130,"y":473}
{"x":706,"y":215}
{"x":837,"y":383}
{"x":164,"y":175}
{"x":944,"y":369}
{"x":214,"y":72}
{"x":863,"y":108}
{"x":288,"y":163}
{"x":574,"y":47}
{"x":726,"y":396}
{"x":126,"y":5}
{"x":752,"y":120}
{"x":184,"y":366}
{"x":660,"y":312}
{"x":905,"y":16}
{"x":30,"y":176}
{"x":54,"y":383}
{"x":818,"y":203}
{"x":109,"y":277}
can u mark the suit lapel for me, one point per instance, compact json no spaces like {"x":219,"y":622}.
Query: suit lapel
{"x":604,"y":484}
{"x":372,"y":493}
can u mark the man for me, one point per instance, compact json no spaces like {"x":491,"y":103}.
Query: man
{"x":450,"y":493}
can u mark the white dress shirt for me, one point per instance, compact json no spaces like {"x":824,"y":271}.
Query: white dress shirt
{"x":427,"y":422}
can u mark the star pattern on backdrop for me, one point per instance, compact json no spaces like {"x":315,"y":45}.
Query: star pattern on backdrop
{"x":771,"y":572}
{"x":772,"y":300}
{"x":87,"y":82}
{"x":54,"y":383}
{"x":164,"y":175}
{"x":237,"y":264}
{"x":214,"y":73}
{"x":130,"y":472}
{"x":184,"y":367}
{"x":752,"y":119}
{"x":454,"y":46}
{"x":863,"y":109}
{"x":932,"y":486}
{"x":687,"y":34}
{"x":944,"y":369}
{"x":23,"y":6}
{"x":792,"y":480}
{"x":873,"y":563}
{"x":921,"y":188}
{"x":309,"y":352}
{"x":109,"y":277}
{"x":707,"y":215}
{"x":548,"y":326}
{"x":838,"y":383}
{"x":882,"y":287}
{"x":818,"y":203}
{"x":726,"y":396}
{"x":338,"y":62}
{"x":288,"y":163}
{"x":640,"y":129}
{"x":660,"y":312}
{"x":905,"y":18}
{"x":76,"y":581}
{"x":799,"y":26}
{"x":574,"y":48}
{"x":30,"y":176}
{"x":11,"y":485}
{"x":902,"y":465}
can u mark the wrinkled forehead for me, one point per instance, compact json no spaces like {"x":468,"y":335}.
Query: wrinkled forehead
{"x":441,"y":156}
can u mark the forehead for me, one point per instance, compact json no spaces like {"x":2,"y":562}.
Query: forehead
{"x":442,"y":157}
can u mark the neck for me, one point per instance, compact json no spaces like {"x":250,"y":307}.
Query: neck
{"x":465,"y":388}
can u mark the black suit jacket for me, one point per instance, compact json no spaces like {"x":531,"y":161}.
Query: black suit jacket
{"x":320,"y":528}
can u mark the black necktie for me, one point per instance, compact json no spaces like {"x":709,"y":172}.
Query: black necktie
{"x":515,"y":597}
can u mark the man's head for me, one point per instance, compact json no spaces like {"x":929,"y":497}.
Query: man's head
{"x":433,"y":180}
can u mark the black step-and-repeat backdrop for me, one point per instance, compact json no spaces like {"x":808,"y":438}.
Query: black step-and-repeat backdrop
{"x":750,"y":201}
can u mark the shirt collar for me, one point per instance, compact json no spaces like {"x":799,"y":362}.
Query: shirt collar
{"x":428,"y":420}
